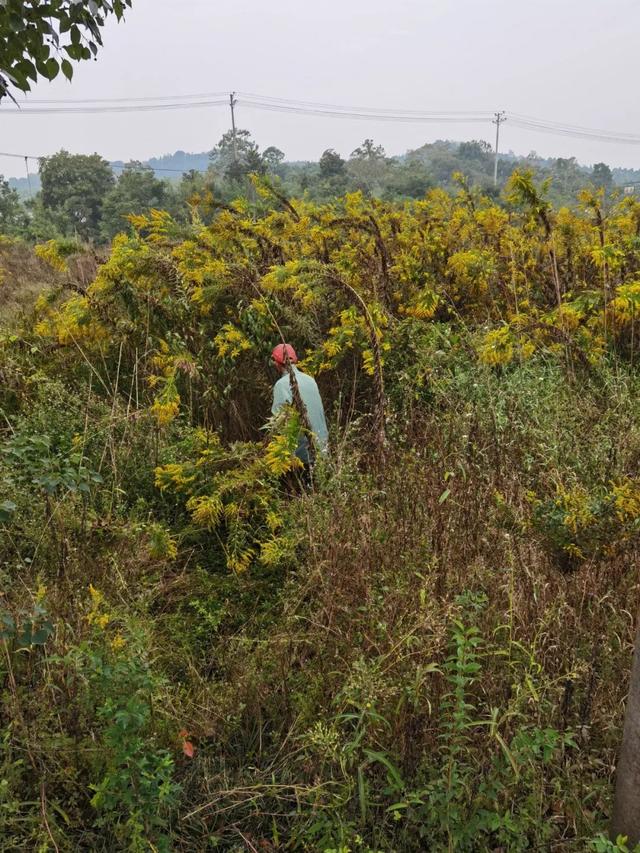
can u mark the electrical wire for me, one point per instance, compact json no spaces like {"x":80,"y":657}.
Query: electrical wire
{"x":290,"y":106}
{"x":252,"y":96}
{"x":208,"y":95}
{"x":556,"y":129}
{"x":122,"y":108}
{"x":369,"y":116}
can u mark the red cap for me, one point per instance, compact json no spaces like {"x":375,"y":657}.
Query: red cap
{"x":279,"y":351}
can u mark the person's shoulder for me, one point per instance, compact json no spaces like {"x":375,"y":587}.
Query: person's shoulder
{"x":305,"y":378}
{"x":282,"y":385}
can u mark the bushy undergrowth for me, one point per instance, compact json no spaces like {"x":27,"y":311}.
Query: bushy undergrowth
{"x":426,"y":651}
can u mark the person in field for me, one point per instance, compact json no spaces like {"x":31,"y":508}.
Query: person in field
{"x":282,"y":395}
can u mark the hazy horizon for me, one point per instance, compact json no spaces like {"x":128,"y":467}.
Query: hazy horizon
{"x":568,"y":62}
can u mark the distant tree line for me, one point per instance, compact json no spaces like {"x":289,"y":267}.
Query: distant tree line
{"x":82,"y":196}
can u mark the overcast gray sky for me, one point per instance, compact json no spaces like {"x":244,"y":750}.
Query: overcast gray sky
{"x":575,"y":61}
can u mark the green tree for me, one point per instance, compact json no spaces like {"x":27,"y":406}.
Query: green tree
{"x":44,"y":224}
{"x":13,"y":217}
{"x":407,"y":180}
{"x":368,"y":165}
{"x":75,"y":186}
{"x":370,"y":152}
{"x":272,"y":158}
{"x":137,"y":191}
{"x":331,"y":164}
{"x":477,"y":158}
{"x":568,"y":179}
{"x":40,"y":39}
{"x":234,"y":161}
{"x":601,"y":176}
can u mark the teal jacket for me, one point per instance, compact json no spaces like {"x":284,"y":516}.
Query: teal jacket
{"x":313,"y":403}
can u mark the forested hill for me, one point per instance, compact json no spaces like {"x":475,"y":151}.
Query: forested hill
{"x":445,"y":153}
{"x":86,"y":196}
{"x":179,"y":162}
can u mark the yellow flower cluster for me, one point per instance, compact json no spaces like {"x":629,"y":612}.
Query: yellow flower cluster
{"x":74,"y":323}
{"x":231,"y":342}
{"x":175,"y":475}
{"x":279,"y":455}
{"x":166,"y":405}
{"x":471,"y":270}
{"x":273,"y":550}
{"x":50,"y":254}
{"x":576,"y":503}
{"x":162,"y":545}
{"x":626,"y":496}
{"x":97,"y":615}
{"x":239,"y":563}
{"x":497,"y":347}
{"x":206,"y":510}
{"x":626,"y":304}
{"x":423,"y":306}
{"x":165,"y":410}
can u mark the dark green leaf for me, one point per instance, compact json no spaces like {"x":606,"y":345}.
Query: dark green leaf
{"x":52,"y":68}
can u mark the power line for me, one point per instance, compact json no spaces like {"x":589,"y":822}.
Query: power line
{"x":555,"y":129}
{"x":370,"y":114}
{"x":113,"y":163}
{"x":21,"y":156}
{"x":414,"y":118}
{"x":127,"y":99}
{"x":250,"y":96}
{"x":342,"y":108}
{"x":578,"y":128}
{"x":269,"y":103}
{"x":116,"y":108}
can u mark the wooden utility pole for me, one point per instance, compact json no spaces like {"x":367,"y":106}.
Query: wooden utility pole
{"x":26,"y":165}
{"x":626,"y":806}
{"x":232,"y":103}
{"x":499,"y":118}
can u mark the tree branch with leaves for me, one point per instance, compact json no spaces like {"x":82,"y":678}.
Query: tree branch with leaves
{"x":43,"y":39}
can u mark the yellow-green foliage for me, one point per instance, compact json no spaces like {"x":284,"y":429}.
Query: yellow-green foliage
{"x":429,"y":648}
{"x":187,"y":315}
{"x":235,"y":491}
{"x":561,"y":282}
{"x":586,"y":523}
{"x":50,"y":253}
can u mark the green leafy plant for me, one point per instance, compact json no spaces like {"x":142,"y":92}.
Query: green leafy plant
{"x":33,"y":37}
{"x":135,"y":792}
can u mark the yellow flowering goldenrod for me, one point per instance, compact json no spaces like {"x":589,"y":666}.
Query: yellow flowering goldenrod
{"x":162,"y":545}
{"x":97,"y":615}
{"x":240,"y":562}
{"x":167,"y":404}
{"x":279,"y":455}
{"x":175,"y":475}
{"x":118,"y":642}
{"x":497,"y":347}
{"x":231,"y":342}
{"x":626,"y":495}
{"x":50,"y":253}
{"x":206,"y":510}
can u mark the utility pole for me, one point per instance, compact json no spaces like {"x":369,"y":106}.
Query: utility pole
{"x":26,"y":165}
{"x":499,"y":118}
{"x":232,"y":103}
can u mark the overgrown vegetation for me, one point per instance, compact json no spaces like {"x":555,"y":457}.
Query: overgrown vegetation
{"x":429,"y":650}
{"x":85,"y":196}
